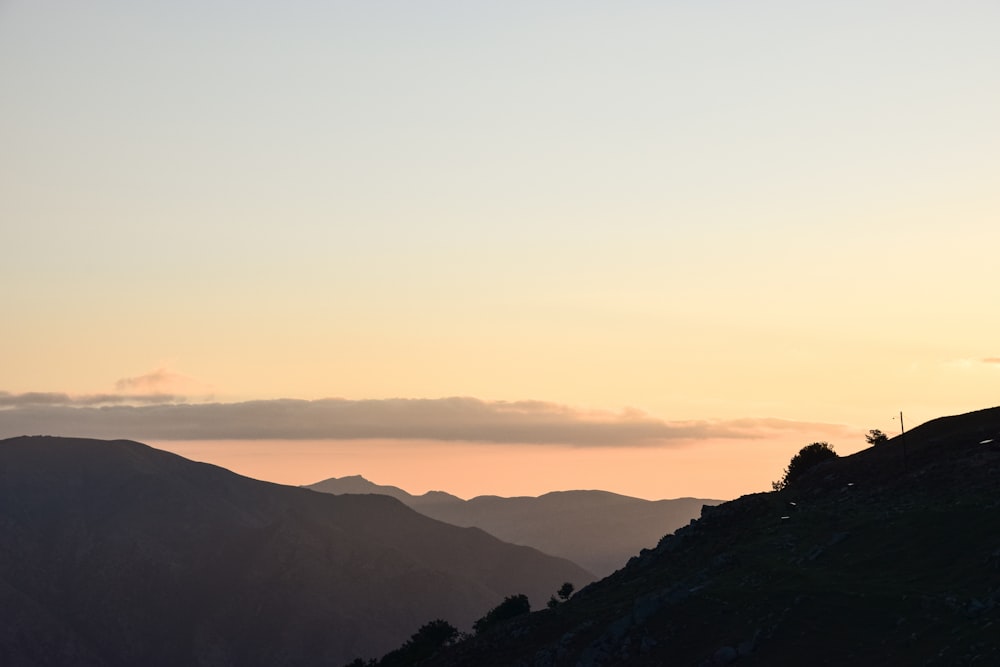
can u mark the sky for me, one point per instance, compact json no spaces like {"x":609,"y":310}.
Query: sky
{"x":506,"y":248}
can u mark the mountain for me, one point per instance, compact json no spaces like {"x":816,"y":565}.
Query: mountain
{"x":358,"y":484}
{"x":115,"y":553}
{"x":597,"y":529}
{"x":888,"y":556}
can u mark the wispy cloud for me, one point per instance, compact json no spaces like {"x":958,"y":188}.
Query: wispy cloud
{"x":971,"y":364}
{"x":160,"y":380}
{"x":446,"y":419}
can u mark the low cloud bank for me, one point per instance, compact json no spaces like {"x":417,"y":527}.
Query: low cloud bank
{"x":40,"y":398}
{"x":446,"y":419}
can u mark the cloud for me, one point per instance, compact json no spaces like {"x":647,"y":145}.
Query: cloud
{"x":147,"y":389}
{"x":971,"y":364}
{"x":159,"y":380}
{"x":38,"y":398}
{"x":445,"y":419}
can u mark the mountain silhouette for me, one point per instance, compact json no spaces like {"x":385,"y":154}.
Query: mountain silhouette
{"x":358,"y":484}
{"x":890,"y":556}
{"x":597,"y":529}
{"x":115,"y":553}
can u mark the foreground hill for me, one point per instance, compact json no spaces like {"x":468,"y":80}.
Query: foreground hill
{"x":870,"y":559}
{"x":114,"y":553}
{"x":597,"y":529}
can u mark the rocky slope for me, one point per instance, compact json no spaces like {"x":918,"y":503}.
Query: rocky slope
{"x":871,"y":559}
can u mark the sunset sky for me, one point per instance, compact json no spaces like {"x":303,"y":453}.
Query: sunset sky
{"x":649,"y":247}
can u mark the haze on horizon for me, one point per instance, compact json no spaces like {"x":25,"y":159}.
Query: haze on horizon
{"x":647,"y":247}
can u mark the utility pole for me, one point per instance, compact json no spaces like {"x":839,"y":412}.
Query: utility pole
{"x":903,"y":431}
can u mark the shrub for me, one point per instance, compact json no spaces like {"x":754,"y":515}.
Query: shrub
{"x":425,"y":642}
{"x":809,"y":456}
{"x":876,"y":437}
{"x":513,"y":605}
{"x":564,"y":593}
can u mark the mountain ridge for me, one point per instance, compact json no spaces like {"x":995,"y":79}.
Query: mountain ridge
{"x":115,"y":553}
{"x":359,"y":484}
{"x":600,"y":530}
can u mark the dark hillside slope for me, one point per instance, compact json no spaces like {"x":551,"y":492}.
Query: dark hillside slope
{"x":114,"y":553}
{"x":860,"y":562}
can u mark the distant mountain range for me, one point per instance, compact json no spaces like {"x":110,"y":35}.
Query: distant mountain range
{"x":114,"y":553}
{"x":890,"y":556}
{"x":597,"y":529}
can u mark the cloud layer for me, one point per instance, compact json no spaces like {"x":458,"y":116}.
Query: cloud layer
{"x":42,"y":398}
{"x":446,"y":419}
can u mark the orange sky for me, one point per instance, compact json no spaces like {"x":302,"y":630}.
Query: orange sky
{"x":722,"y":469}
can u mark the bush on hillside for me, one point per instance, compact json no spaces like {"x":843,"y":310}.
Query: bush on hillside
{"x":808,"y":457}
{"x":564,"y":593}
{"x":876,"y":437}
{"x":513,"y":605}
{"x":425,"y":642}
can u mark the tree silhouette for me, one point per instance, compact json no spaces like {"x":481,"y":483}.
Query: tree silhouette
{"x":876,"y":437}
{"x":564,"y":592}
{"x":512,"y":605}
{"x":425,"y":642}
{"x":809,"y":456}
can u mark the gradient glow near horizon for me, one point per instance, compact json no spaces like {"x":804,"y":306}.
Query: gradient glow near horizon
{"x":691,"y":211}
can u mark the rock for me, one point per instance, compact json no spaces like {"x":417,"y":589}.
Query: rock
{"x":725,"y":655}
{"x":746,"y":647}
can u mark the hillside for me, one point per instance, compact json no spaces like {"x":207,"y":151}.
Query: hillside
{"x":114,"y":553}
{"x":597,"y":529}
{"x":866,"y":560}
